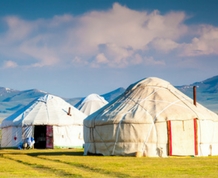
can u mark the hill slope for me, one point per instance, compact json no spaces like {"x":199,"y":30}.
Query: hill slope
{"x":207,"y":92}
{"x":12,"y":100}
{"x":107,"y":96}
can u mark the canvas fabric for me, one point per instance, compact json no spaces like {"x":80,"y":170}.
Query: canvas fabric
{"x":92,"y":103}
{"x":47,"y":110}
{"x":137,"y":121}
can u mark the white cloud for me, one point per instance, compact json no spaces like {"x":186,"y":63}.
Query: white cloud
{"x":18,"y":29}
{"x":116,"y":56}
{"x":118,"y":37}
{"x":165,"y":45}
{"x":78,"y":61}
{"x":150,"y":61}
{"x":204,"y":43}
{"x":44,"y":55}
{"x":9,"y":64}
{"x":127,"y":28}
{"x":100,"y":58}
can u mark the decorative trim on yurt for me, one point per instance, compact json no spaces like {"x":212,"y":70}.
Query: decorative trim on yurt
{"x":196,"y":136}
{"x":169,"y":138}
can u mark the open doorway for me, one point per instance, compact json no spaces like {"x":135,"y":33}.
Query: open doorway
{"x":40,"y":136}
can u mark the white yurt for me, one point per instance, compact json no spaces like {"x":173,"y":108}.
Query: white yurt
{"x":91,"y":103}
{"x":50,"y":120}
{"x":152,"y":118}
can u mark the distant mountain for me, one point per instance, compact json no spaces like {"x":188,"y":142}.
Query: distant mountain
{"x":207,"y":92}
{"x":73,"y":101}
{"x":7,"y":92}
{"x":12,"y":100}
{"x":207,"y":86}
{"x":113,"y":94}
{"x":107,"y":96}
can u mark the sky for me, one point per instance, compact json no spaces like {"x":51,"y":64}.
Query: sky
{"x":73,"y":48}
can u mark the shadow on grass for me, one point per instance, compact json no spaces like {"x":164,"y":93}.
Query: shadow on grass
{"x":47,"y":152}
{"x":83,"y":166}
{"x":45,"y":168}
{"x":74,"y":152}
{"x":39,"y":152}
{"x":57,"y":153}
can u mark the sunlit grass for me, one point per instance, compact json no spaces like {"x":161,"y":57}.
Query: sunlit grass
{"x":142,"y":167}
{"x":72,"y":163}
{"x":11,"y":168}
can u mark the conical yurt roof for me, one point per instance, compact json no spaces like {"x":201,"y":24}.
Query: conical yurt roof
{"x":147,"y":101}
{"x":46,"y":110}
{"x":92,"y":103}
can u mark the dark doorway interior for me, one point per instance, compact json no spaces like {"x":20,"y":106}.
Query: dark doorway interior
{"x":40,"y":136}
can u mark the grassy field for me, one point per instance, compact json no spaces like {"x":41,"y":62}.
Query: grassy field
{"x":72,"y":163}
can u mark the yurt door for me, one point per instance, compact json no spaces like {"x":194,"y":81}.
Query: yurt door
{"x":182,"y":137}
{"x":40,"y":136}
{"x":49,"y":136}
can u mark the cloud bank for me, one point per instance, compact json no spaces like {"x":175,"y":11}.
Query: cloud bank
{"x":116,"y":38}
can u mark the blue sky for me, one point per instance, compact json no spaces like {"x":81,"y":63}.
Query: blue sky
{"x":75,"y":48}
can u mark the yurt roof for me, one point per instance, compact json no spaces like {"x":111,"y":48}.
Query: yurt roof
{"x":94,"y":97}
{"x":46,"y":110}
{"x":92,"y":103}
{"x":150,"y":100}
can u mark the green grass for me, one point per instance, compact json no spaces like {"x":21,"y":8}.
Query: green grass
{"x":72,"y":163}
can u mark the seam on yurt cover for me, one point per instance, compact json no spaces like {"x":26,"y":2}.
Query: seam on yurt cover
{"x":117,"y":132}
{"x":100,"y":138}
{"x":185,"y":99}
{"x":172,"y":103}
{"x":144,"y":143}
{"x":146,"y":140}
{"x":139,"y":103}
{"x":26,"y":113}
{"x":47,"y":113}
{"x":155,"y":91}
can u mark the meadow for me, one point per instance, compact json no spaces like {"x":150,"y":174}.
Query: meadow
{"x":71,"y":163}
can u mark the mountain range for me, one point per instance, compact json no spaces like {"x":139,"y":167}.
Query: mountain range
{"x":12,"y":100}
{"x":207,"y":92}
